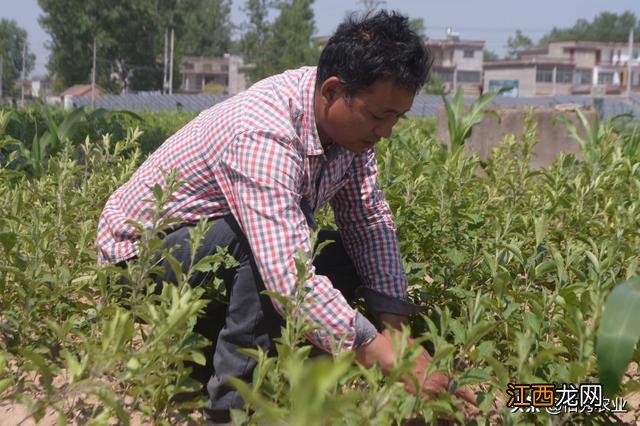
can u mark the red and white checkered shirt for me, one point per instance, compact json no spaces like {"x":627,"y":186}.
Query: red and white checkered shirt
{"x":257,"y":156}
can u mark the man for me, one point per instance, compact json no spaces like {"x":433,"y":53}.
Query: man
{"x":260,"y":164}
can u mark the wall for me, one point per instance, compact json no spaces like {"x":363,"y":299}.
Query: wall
{"x":552,"y":134}
{"x":463,"y":63}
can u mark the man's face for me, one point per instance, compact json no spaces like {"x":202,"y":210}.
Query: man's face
{"x":359,"y":122}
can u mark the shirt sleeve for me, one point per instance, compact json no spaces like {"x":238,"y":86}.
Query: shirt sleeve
{"x":260,"y":175}
{"x":368,"y":232}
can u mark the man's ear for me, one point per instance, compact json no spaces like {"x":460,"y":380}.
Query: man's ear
{"x":331,"y":90}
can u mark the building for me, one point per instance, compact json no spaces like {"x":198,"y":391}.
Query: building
{"x":224,"y":75}
{"x":458,"y":63}
{"x":567,"y":68}
{"x":76,"y":91}
{"x":79,"y":90}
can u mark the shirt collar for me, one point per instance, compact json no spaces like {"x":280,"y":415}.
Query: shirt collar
{"x":309,"y":129}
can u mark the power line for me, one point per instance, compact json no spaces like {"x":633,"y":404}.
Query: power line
{"x":490,"y":29}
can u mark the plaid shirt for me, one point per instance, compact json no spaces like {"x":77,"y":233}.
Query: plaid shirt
{"x":258,"y":156}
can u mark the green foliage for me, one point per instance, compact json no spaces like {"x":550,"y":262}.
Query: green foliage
{"x":206,"y":27}
{"x":283,"y":44}
{"x":518,"y":42}
{"x":460,"y":121}
{"x":296,"y":387}
{"x":371,"y":5}
{"x":27,"y":124}
{"x":256,"y":31}
{"x":435,"y":85}
{"x":618,"y":333}
{"x":489,"y":55}
{"x":515,"y":265}
{"x":201,"y":26}
{"x":417,"y":25}
{"x":73,"y":337}
{"x":33,"y":158}
{"x":606,"y":27}
{"x":12,"y":41}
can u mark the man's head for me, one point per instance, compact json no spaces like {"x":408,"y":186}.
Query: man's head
{"x":367,"y":76}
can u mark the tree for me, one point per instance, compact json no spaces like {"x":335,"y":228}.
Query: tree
{"x":371,"y":5}
{"x":289,"y":43}
{"x":517,"y":43}
{"x":489,"y":55}
{"x":130,"y":35}
{"x":12,"y":41}
{"x":256,"y":32}
{"x":206,"y":27}
{"x":125,"y":33}
{"x":417,"y":25}
{"x":607,"y":26}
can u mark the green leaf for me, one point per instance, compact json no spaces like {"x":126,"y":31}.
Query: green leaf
{"x":499,"y":369}
{"x":455,"y":255}
{"x":545,"y":267}
{"x":5,"y":383}
{"x":8,"y":240}
{"x":198,"y":357}
{"x":109,"y":398}
{"x":618,"y":333}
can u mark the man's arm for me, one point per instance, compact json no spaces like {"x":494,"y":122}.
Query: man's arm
{"x":369,"y":236}
{"x":260,"y":175}
{"x":380,"y":351}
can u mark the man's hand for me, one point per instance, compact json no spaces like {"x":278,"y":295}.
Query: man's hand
{"x":380,"y":350}
{"x":394,"y":321}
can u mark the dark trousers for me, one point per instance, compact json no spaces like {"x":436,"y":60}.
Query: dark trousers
{"x":250,"y":320}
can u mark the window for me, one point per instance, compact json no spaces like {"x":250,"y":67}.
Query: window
{"x":583,"y":76}
{"x":605,"y":77}
{"x":188,"y":65}
{"x":469,"y":53}
{"x":544,"y":75}
{"x":564,"y":75}
{"x":468,"y":76}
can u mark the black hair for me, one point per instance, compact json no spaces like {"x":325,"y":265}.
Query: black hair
{"x":380,"y":46}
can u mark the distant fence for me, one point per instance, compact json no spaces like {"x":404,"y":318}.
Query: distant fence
{"x":423,"y":105}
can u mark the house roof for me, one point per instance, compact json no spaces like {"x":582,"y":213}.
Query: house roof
{"x":593,"y":45}
{"x":534,"y":51}
{"x":472,"y":44}
{"x":80,"y":90}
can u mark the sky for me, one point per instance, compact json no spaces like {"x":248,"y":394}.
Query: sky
{"x":490,"y":20}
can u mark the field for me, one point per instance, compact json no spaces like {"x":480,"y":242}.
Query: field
{"x":515,"y":266}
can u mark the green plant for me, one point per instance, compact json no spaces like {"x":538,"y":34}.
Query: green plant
{"x":515,"y":266}
{"x":618,"y":333}
{"x":459,"y":121}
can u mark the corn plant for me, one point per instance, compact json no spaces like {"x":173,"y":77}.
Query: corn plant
{"x":618,"y":333}
{"x":460,"y":121}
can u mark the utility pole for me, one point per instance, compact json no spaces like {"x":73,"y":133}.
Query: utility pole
{"x":629,"y":75}
{"x":171,"y":63}
{"x":93,"y":76}
{"x":23,"y":73}
{"x":165,"y":75}
{"x":1,"y":68}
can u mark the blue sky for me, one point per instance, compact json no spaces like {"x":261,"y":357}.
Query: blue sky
{"x":490,"y":20}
